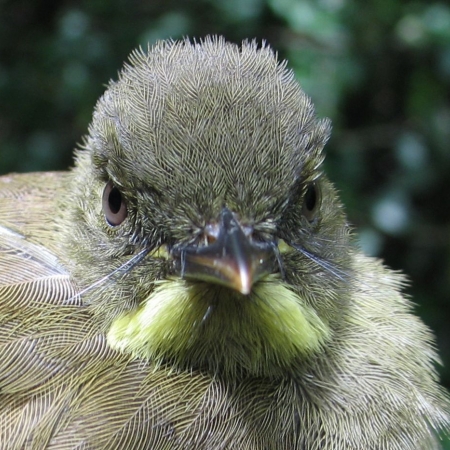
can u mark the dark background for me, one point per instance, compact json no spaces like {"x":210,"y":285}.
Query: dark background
{"x":380,"y":69}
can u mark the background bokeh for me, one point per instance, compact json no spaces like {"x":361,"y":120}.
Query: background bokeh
{"x":380,"y":69}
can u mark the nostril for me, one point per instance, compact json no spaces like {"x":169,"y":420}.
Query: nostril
{"x":211,"y":233}
{"x":248,"y":231}
{"x":207,"y":239}
{"x":258,"y":237}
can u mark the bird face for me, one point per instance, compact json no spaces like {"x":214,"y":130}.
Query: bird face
{"x":214,"y":239}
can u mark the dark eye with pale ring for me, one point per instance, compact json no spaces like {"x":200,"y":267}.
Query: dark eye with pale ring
{"x":311,"y":201}
{"x":114,"y":205}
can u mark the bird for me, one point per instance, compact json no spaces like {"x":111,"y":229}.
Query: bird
{"x":193,"y":281}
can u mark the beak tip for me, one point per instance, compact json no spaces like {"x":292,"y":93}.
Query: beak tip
{"x":244,"y":283}
{"x":245,"y":290}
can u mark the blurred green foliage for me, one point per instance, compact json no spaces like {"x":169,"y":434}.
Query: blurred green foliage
{"x":380,"y":69}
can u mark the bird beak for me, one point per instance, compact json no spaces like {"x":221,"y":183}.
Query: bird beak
{"x":231,"y":259}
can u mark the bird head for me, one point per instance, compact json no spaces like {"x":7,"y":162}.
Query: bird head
{"x":203,"y":232}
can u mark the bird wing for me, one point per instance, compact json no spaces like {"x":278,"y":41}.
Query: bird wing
{"x":32,"y":284}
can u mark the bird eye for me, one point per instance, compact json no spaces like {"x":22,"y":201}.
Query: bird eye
{"x":114,"y":206}
{"x":311,"y":201}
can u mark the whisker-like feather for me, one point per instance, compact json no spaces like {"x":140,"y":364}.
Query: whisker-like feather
{"x":328,"y":266}
{"x":124,"y":268}
{"x":279,"y":259}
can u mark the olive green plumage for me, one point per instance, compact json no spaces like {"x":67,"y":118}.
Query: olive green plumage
{"x":122,"y":327}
